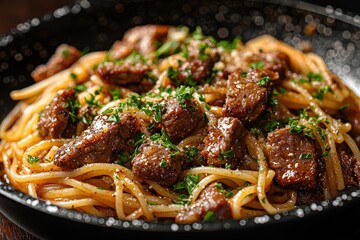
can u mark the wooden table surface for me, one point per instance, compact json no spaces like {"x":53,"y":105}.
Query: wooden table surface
{"x":10,"y":231}
{"x":13,"y":12}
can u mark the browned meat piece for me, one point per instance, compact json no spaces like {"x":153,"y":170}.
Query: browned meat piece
{"x":248,"y":94}
{"x":154,"y":162}
{"x":194,"y":70}
{"x":274,"y":61}
{"x":198,"y":67}
{"x":143,"y":87}
{"x":224,"y":142}
{"x":179,"y":121}
{"x":348,"y":163}
{"x":122,"y":74}
{"x":55,"y":117}
{"x":204,"y":49}
{"x":100,"y":142}
{"x":316,"y":195}
{"x":210,"y":200}
{"x":141,"y":38}
{"x":65,"y":56}
{"x":292,"y":157}
{"x":127,"y":74}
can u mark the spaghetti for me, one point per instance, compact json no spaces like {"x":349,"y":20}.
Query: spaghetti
{"x":167,"y":119}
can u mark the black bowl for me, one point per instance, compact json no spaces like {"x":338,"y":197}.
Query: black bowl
{"x":95,"y":25}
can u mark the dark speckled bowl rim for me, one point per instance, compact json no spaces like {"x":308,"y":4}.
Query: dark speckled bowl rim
{"x":301,"y":212}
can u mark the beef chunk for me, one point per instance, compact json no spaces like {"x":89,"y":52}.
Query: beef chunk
{"x":274,"y":61}
{"x":210,"y":200}
{"x":316,"y":195}
{"x":154,"y":162}
{"x":127,"y":74}
{"x":65,"y":56}
{"x":292,"y":157}
{"x":121,"y":74}
{"x":198,"y":66}
{"x":180,"y":119}
{"x":55,"y":118}
{"x":248,"y":94}
{"x":194,"y":69}
{"x":348,"y":163}
{"x":224,"y":142}
{"x":141,"y":38}
{"x":100,"y":142}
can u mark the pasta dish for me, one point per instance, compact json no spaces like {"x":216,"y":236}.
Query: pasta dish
{"x":173,"y":125}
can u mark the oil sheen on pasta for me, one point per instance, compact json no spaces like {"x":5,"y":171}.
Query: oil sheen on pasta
{"x":173,"y":125}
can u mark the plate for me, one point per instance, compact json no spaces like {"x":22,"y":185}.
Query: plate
{"x":95,"y":25}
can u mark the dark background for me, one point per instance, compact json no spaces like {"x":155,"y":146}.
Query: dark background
{"x":13,"y":12}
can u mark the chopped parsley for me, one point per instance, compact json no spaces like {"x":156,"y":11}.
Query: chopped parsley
{"x":201,"y":97}
{"x":295,"y":127}
{"x":189,"y":183}
{"x":255,"y":131}
{"x":170,"y":47}
{"x":183,"y":199}
{"x":221,"y":189}
{"x":114,"y":117}
{"x":314,"y":77}
{"x":123,"y":158}
{"x":226,"y":154}
{"x":183,"y":93}
{"x":255,"y":65}
{"x":74,"y":107}
{"x":65,"y":53}
{"x":320,"y":93}
{"x":80,"y":88}
{"x":306,"y":156}
{"x":92,"y":102}
{"x":173,"y":75}
{"x":165,"y":141}
{"x":115,"y":94}
{"x":343,"y":107}
{"x":264,"y":80}
{"x":210,"y":216}
{"x":321,"y":133}
{"x":73,"y":76}
{"x":230,"y":45}
{"x":163,"y":163}
{"x":198,"y":33}
{"x":311,"y":77}
{"x":191,"y":153}
{"x":32,"y":159}
{"x":271,"y":125}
